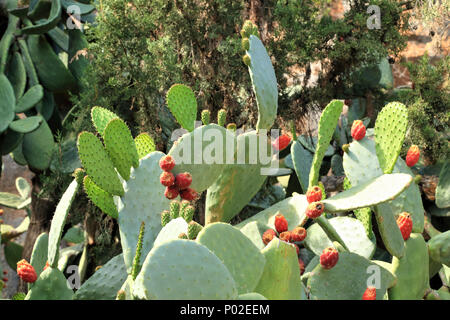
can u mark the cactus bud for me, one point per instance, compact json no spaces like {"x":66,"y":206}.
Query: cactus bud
{"x":97,"y":268}
{"x":221,"y":117}
{"x":120,"y":295}
{"x":193,"y":230}
{"x":78,"y":174}
{"x":188,"y":213}
{"x":246,"y":59}
{"x":245,"y":42}
{"x":206,"y":116}
{"x":182,"y":236}
{"x":174,"y":209}
{"x":165,"y":217}
{"x":231,"y":127}
{"x":417,"y":178}
{"x":19,"y":296}
{"x":345,"y":147}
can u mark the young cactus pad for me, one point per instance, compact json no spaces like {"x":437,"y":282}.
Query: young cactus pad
{"x":184,"y":270}
{"x":241,"y":257}
{"x":390,"y":130}
{"x":264,"y":83}
{"x":183,"y":105}
{"x":101,"y":117}
{"x":100,"y":197}
{"x":144,"y":144}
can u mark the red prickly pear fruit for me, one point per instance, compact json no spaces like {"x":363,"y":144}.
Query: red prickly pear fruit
{"x":167,"y":179}
{"x":189,"y":194}
{"x":5,"y":279}
{"x":167,"y":163}
{"x":370,"y":294}
{"x":329,"y":257}
{"x":358,"y":130}
{"x":268,"y":235}
{"x":183,"y":180}
{"x":314,"y":209}
{"x":281,"y":224}
{"x":412,"y":156}
{"x":314,"y":194}
{"x":301,"y":265}
{"x":281,"y":142}
{"x":5,"y":272}
{"x":298,"y":234}
{"x":26,"y":271}
{"x":285,"y":236}
{"x":405,"y":224}
{"x":171,"y":192}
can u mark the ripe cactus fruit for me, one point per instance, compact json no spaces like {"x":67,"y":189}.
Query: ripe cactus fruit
{"x":221,"y":117}
{"x":182,"y":236}
{"x":183,"y":180}
{"x":193,"y":230}
{"x":171,"y":192}
{"x":301,"y":265}
{"x":245,"y":42}
{"x":285,"y":236}
{"x":314,"y":209}
{"x":165,"y":217}
{"x":412,"y":156}
{"x":281,"y":224}
{"x":370,"y":294}
{"x":166,"y":178}
{"x":314,"y":194}
{"x":26,"y":271}
{"x":188,"y":213}
{"x":268,"y":235}
{"x":329,"y":257}
{"x":281,"y":142}
{"x":167,"y":163}
{"x":405,"y":224}
{"x":206,"y":117}
{"x":298,"y":234}
{"x":189,"y":194}
{"x":358,"y":130}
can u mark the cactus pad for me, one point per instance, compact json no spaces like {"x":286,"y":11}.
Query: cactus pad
{"x":7,"y":103}
{"x":105,"y":282}
{"x":251,"y":296}
{"x":411,"y":270}
{"x":97,"y":163}
{"x":390,"y":130}
{"x":171,"y":231}
{"x":443,"y":187}
{"x":143,"y":200}
{"x":302,"y":160}
{"x":439,"y":248}
{"x":51,"y":285}
{"x":350,"y":230}
{"x":120,"y":146}
{"x":281,"y":277}
{"x":101,"y":117}
{"x":39,"y":256}
{"x":184,"y":270}
{"x":254,"y":231}
{"x":390,"y":233}
{"x":38,"y":147}
{"x":183,"y":105}
{"x":144,"y":144}
{"x":58,"y":222}
{"x":241,"y":257}
{"x":100,"y":197}
{"x":264,"y":83}
{"x":327,"y":125}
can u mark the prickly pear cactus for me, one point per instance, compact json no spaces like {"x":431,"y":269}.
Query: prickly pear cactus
{"x":184,"y":270}
{"x":281,"y":277}
{"x":443,"y":187}
{"x":390,"y":130}
{"x":39,"y":255}
{"x":183,"y":105}
{"x":100,"y":197}
{"x":101,"y":117}
{"x":144,"y":144}
{"x":241,"y":257}
{"x":302,"y":160}
{"x":439,"y":248}
{"x":171,"y":231}
{"x":50,"y":285}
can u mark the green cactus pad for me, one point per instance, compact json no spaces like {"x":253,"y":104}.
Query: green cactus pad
{"x":105,"y":282}
{"x":7,"y":103}
{"x":281,"y":277}
{"x":26,"y":125}
{"x":58,"y":222}
{"x":38,"y":147}
{"x":195,"y":153}
{"x":241,"y":257}
{"x":348,"y":279}
{"x":184,"y":270}
{"x":390,"y":233}
{"x":370,"y":193}
{"x":361,"y":164}
{"x":439,"y":248}
{"x":101,"y":117}
{"x":16,"y":74}
{"x":264,"y":83}
{"x":411,"y":270}
{"x":30,"y":99}
{"x":293,"y":209}
{"x":350,"y":230}
{"x":126,"y":290}
{"x":120,"y":146}
{"x":327,"y":124}
{"x":238,"y":183}
{"x":143,"y":200}
{"x":100,"y":197}
{"x":183,"y":105}
{"x":144,"y":144}
{"x":302,"y":160}
{"x":365,"y":216}
{"x":39,"y":256}
{"x":251,"y":296}
{"x":97,"y":163}
{"x":51,"y":285}
{"x":254,"y":231}
{"x":390,"y":130}
{"x":171,"y":231}
{"x":443,"y":187}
